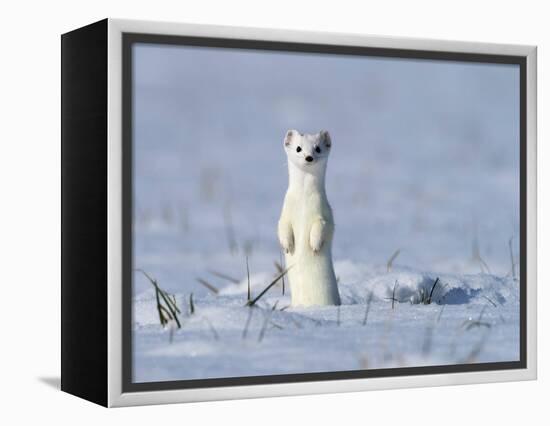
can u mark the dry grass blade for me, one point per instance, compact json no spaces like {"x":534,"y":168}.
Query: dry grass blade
{"x":440,"y":313}
{"x":392,"y":298}
{"x":170,"y":301}
{"x":481,"y":313}
{"x":151,"y":279}
{"x":280,"y":327}
{"x":208,"y":285}
{"x":490,"y":301}
{"x":512,"y":261}
{"x":476,"y":256}
{"x":469,"y":323}
{"x":191,"y":304}
{"x":296,"y":322}
{"x":266,"y":322}
{"x":247,"y":324}
{"x":427,"y":343}
{"x":230,"y":230}
{"x":442,"y":295}
{"x":174,"y":305}
{"x":279,"y":270}
{"x":367,"y":309}
{"x":212,"y":329}
{"x":475,"y":324}
{"x":264,"y":291}
{"x":484,"y":264}
{"x":280,"y":267}
{"x":224,"y":276}
{"x":166,"y":312}
{"x":248,"y":281}
{"x":476,"y":350}
{"x":163,"y":320}
{"x":429,"y":299}
{"x":391,"y":259}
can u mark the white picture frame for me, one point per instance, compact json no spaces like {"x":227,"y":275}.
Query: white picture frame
{"x":111,"y":389}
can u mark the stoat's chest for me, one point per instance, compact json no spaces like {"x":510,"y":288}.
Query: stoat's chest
{"x":304,"y":208}
{"x":305,"y":204}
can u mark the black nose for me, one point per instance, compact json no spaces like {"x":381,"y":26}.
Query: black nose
{"x":309,"y":158}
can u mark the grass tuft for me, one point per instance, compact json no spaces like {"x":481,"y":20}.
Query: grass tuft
{"x":166,"y":306}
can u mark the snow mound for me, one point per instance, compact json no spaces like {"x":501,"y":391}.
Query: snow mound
{"x":357,"y":281}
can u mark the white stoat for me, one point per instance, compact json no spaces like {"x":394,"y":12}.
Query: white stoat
{"x":306,"y":225}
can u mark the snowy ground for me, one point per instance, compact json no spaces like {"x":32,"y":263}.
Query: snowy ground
{"x":425,"y":159}
{"x":472,"y":318}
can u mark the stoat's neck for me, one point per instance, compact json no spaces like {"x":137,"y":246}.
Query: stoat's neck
{"x":300,"y":181}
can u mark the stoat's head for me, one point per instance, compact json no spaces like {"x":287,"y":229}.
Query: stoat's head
{"x":308,"y":152}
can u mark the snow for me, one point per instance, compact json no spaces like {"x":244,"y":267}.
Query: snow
{"x":472,"y":318}
{"x":425,"y":159}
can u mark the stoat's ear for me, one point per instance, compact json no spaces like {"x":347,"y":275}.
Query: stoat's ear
{"x":289,"y":135}
{"x":325,"y":138}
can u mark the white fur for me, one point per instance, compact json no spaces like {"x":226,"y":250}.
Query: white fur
{"x":306,"y":226}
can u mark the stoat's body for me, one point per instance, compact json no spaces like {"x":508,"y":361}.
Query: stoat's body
{"x":306,"y":225}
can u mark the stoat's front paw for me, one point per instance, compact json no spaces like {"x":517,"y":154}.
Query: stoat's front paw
{"x":287,"y":243}
{"x":316,"y":244}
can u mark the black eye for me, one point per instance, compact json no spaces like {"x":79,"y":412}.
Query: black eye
{"x":318,"y":150}
{"x":298,"y":149}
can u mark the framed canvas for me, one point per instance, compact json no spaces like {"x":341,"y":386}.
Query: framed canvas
{"x":251,"y":212}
